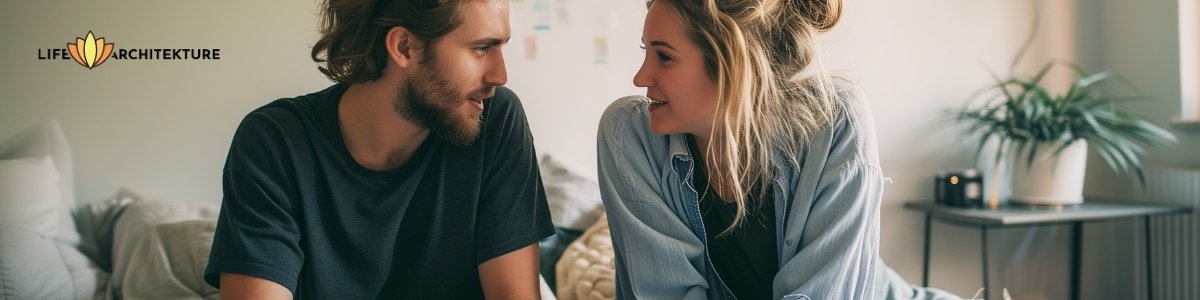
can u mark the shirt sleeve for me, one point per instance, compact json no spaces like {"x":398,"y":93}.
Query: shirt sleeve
{"x":256,"y":233}
{"x":513,"y":212}
{"x":656,"y":255}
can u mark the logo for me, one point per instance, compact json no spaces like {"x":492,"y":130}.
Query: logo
{"x":90,"y":52}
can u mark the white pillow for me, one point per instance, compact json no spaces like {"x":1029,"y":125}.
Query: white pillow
{"x":573,"y":195}
{"x":29,"y":195}
{"x":49,"y":140}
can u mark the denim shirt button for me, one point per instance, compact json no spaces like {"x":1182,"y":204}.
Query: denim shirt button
{"x":788,"y":243}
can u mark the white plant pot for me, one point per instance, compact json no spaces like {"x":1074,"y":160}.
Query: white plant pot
{"x":1050,"y":180}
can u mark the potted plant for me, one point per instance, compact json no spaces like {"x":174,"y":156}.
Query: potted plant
{"x":1045,"y":136}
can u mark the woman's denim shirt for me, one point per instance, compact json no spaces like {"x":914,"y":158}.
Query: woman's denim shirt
{"x":827,"y":211}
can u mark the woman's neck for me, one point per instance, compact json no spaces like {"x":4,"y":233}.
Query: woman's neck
{"x":701,"y":145}
{"x":715,"y":177}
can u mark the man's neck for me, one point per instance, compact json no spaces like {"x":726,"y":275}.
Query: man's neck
{"x":378,"y":138}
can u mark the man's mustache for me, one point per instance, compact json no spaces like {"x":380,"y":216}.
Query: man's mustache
{"x":486,"y":93}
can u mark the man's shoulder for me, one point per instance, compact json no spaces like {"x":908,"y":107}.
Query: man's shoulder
{"x":504,"y":113}
{"x":504,"y":103}
{"x":293,"y":112}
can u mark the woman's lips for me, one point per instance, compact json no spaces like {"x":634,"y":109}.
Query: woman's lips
{"x":655,"y":104}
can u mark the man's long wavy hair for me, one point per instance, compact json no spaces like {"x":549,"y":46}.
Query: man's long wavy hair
{"x":351,"y":47}
{"x":772,"y":94}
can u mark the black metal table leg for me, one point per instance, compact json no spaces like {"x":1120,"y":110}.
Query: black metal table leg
{"x":1149,"y":262}
{"x":983,"y":244}
{"x":925,"y":263}
{"x":1076,"y":249}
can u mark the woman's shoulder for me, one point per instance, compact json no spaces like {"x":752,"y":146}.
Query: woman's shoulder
{"x":853,"y":127}
{"x":625,"y":125}
{"x":849,"y":100}
{"x":626,"y":107}
{"x":625,"y":113}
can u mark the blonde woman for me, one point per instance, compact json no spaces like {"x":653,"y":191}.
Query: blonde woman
{"x":748,"y":173}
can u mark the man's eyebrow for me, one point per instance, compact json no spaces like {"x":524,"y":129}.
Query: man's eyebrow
{"x":662,"y":43}
{"x":491,"y":41}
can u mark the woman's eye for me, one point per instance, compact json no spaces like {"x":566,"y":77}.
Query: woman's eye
{"x":662,"y":57}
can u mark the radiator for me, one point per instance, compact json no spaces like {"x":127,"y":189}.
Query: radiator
{"x":1175,"y":239}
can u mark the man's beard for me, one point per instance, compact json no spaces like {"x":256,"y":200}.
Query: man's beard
{"x":428,"y":101}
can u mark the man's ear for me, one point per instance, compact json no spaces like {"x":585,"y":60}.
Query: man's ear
{"x":403,"y":48}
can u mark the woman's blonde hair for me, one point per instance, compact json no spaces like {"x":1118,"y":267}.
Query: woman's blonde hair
{"x":772,"y":95}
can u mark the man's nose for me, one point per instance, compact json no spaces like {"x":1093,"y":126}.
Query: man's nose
{"x":497,"y":74}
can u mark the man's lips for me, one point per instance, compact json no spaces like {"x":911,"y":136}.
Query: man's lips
{"x":477,"y":100}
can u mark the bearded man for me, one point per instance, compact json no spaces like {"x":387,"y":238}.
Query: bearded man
{"x":413,"y":177}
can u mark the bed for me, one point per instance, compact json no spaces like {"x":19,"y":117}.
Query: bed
{"x":130,"y":246}
{"x":124,"y":247}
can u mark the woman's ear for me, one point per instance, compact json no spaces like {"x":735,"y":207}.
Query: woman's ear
{"x":402,"y":47}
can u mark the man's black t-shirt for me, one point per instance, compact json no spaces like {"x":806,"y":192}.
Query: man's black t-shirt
{"x":300,"y":211}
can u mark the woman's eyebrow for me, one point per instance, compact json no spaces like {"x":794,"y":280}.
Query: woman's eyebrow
{"x":662,"y":43}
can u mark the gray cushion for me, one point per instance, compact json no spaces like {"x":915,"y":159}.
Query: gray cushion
{"x":96,"y":222}
{"x":572,"y":193}
{"x":160,"y":249}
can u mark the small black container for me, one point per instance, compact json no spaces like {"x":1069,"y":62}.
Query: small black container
{"x":962,"y":189}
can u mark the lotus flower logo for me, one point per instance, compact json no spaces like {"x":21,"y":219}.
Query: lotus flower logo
{"x":90,"y":51}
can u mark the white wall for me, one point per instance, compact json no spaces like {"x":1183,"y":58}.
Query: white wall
{"x":1140,"y":41}
{"x":917,"y":60}
{"x":162,"y":127}
{"x":563,"y":87}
